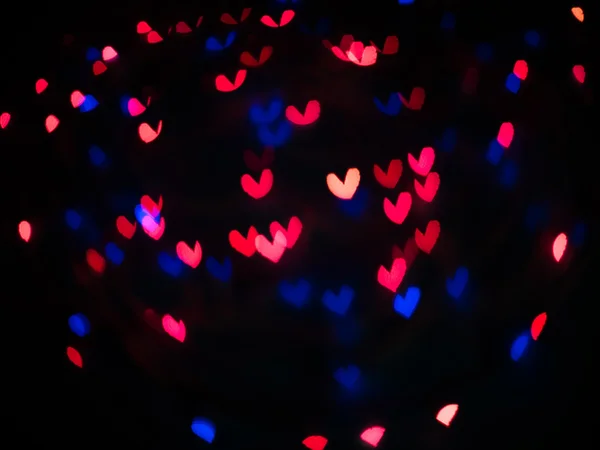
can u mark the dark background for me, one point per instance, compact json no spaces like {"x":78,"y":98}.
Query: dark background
{"x":259,"y":370}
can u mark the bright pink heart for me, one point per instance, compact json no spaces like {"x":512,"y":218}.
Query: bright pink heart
{"x":272,"y":251}
{"x":391,"y":279}
{"x":291,"y":234}
{"x":147,"y":134}
{"x":397,"y":213}
{"x":188,"y":256}
{"x":372,"y":435}
{"x":446,"y":414}
{"x":315,"y":442}
{"x":109,"y":53}
{"x":77,"y":99}
{"x":134,"y":107}
{"x":40,"y":85}
{"x":51,"y":123}
{"x":506,"y":134}
{"x":174,"y":329}
{"x":4,"y":120}
{"x":311,"y":113}
{"x":429,"y":189}
{"x":559,"y":246}
{"x":425,"y":162}
{"x":579,"y":73}
{"x":520,"y":69}
{"x":152,"y":228}
{"x":260,"y":189}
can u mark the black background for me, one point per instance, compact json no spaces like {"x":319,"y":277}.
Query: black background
{"x":260,"y":371}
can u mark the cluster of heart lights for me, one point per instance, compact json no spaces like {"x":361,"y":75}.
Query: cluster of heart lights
{"x":279,"y":239}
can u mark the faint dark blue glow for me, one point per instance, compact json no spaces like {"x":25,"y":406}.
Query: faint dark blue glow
{"x":114,"y":254}
{"x":532,"y":38}
{"x":448,"y":140}
{"x":356,"y":206}
{"x":93,"y":54}
{"x":170,"y":264}
{"x":484,"y":52}
{"x":494,"y":153}
{"x":213,"y":44}
{"x":448,"y":21}
{"x":508,"y":174}
{"x":275,"y":136}
{"x":73,"y":219}
{"x":347,"y":376}
{"x":296,"y":294}
{"x":266,"y":116}
{"x":577,"y":236}
{"x":456,"y":285}
{"x":97,"y":156}
{"x":391,"y":107}
{"x":339,"y":303}
{"x":220,"y":271}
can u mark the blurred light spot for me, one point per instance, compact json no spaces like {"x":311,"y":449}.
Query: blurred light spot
{"x":89,"y":104}
{"x":372,"y":435}
{"x":79,"y":324}
{"x":95,"y":261}
{"x":506,"y":134}
{"x":521,"y":69}
{"x":204,"y":429}
{"x":25,"y":230}
{"x":109,"y":53}
{"x":221,"y":271}
{"x":559,"y":246}
{"x":447,"y":414}
{"x":93,"y":54}
{"x":97,"y":156}
{"x":114,"y":253}
{"x":347,"y":376}
{"x":74,"y":357}
{"x":578,"y":234}
{"x":357,"y":205}
{"x":513,"y":84}
{"x":508,"y":174}
{"x":51,"y":123}
{"x":532,"y":38}
{"x":40,"y":85}
{"x":538,"y":325}
{"x":315,"y":442}
{"x":536,"y":215}
{"x":448,"y":21}
{"x":4,"y":120}
{"x":73,"y":219}
{"x":266,"y":116}
{"x":448,"y":142}
{"x":495,"y":152}
{"x":295,"y":294}
{"x":579,"y":73}
{"x":456,"y":285}
{"x":169,"y":264}
{"x":519,"y":346}
{"x":484,"y":52}
{"x":578,"y":13}
{"x":275,"y":136}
